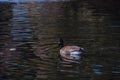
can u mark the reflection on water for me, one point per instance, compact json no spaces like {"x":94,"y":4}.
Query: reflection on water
{"x":29,"y":40}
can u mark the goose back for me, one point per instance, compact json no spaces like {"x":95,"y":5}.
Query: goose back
{"x":70,"y":52}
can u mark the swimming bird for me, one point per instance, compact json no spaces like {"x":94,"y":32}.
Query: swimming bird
{"x":70,"y":52}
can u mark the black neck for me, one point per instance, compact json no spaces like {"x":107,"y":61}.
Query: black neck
{"x":61,"y":43}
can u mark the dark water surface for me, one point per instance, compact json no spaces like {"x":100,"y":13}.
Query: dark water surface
{"x":29,"y":35}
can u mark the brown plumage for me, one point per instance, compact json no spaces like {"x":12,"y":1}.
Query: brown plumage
{"x":66,"y":50}
{"x":70,"y":52}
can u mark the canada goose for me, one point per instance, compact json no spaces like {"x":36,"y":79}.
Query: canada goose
{"x":70,"y":52}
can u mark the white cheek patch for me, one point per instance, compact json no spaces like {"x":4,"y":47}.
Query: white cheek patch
{"x":75,"y":55}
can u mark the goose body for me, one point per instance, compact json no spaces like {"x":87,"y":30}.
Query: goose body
{"x":71,"y":52}
{"x":69,"y":49}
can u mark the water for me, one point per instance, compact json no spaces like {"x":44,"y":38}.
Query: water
{"x":30,"y":34}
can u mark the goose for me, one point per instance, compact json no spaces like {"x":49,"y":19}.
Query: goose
{"x":72,"y":52}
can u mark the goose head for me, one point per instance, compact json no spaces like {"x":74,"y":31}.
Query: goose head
{"x":61,"y":43}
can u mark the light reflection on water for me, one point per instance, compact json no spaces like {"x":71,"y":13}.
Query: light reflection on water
{"x":29,"y":48}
